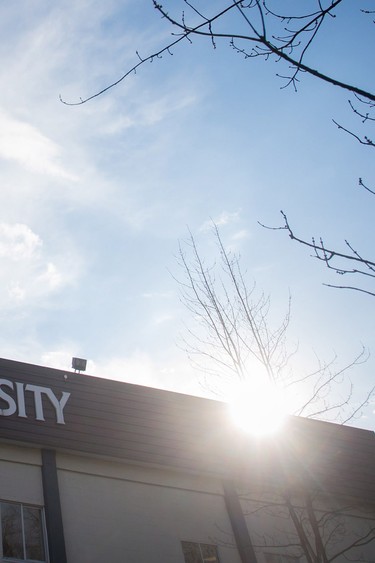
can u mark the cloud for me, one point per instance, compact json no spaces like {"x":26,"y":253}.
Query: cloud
{"x":163,"y":318}
{"x":157,"y":294}
{"x":139,"y":368}
{"x":146,"y":112}
{"x":25,"y":144}
{"x":60,"y":358}
{"x":28,"y":274}
{"x":18,"y":241}
{"x":158,"y":110}
{"x":224,"y":218}
{"x":51,"y":277}
{"x":235,"y":240}
{"x":16,"y":293}
{"x":240,"y":235}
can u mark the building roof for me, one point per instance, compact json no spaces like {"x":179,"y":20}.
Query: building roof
{"x":145,"y":425}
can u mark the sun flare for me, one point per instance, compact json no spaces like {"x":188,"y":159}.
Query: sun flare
{"x":258,"y":407}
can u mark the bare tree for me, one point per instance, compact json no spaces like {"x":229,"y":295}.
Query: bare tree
{"x":234,"y":319}
{"x":232,"y":333}
{"x":253,"y":29}
{"x":319,"y":530}
{"x":233,"y":336}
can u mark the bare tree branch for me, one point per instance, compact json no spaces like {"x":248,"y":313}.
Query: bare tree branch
{"x":232,"y":330}
{"x":321,"y":534}
{"x":285,"y":37}
{"x":340,"y":262}
{"x":364,"y":141}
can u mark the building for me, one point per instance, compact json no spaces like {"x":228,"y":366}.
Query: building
{"x":94,"y":470}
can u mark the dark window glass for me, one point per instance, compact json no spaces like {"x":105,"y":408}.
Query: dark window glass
{"x":11,"y":527}
{"x":199,"y":552}
{"x":192,"y":552}
{"x":277,"y":558}
{"x":22,"y":532}
{"x":209,"y":553}
{"x":33,"y":533}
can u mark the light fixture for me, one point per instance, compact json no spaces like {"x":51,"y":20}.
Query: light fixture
{"x":79,"y":364}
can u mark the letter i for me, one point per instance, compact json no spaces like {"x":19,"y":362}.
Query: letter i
{"x":21,"y":400}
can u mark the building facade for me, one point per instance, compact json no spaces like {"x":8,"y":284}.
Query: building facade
{"x":94,"y":470}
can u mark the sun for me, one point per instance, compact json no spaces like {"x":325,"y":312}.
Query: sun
{"x":258,"y":407}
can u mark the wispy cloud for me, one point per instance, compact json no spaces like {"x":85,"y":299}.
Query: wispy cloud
{"x":156,"y":111}
{"x":25,"y":144}
{"x":18,"y":241}
{"x":157,"y":294}
{"x":52,"y":278}
{"x":60,"y":358}
{"x":235,"y":240}
{"x":163,"y":318}
{"x":29,"y":275}
{"x":224,"y":218}
{"x":240,"y":235}
{"x":141,"y":369}
{"x":147,"y":111}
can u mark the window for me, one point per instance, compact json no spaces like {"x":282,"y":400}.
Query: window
{"x":21,"y":532}
{"x":199,"y":552}
{"x":277,"y":558}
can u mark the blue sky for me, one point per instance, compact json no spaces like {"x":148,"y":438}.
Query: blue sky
{"x":95,"y":198}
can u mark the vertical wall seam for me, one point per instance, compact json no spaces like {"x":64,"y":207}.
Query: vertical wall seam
{"x":238,"y":522}
{"x":52,"y":506}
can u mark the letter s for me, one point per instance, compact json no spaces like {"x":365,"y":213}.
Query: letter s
{"x":12,"y":407}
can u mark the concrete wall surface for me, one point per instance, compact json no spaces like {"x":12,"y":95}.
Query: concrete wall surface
{"x":114,"y":512}
{"x":21,"y":478}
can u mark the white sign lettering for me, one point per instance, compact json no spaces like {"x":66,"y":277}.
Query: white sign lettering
{"x":16,"y":404}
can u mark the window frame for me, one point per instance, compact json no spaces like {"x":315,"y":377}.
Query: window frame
{"x":200,"y":544}
{"x":283,"y":557}
{"x":22,"y":505}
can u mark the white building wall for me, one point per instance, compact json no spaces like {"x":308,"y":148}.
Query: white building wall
{"x":114,"y":512}
{"x":20,"y":472}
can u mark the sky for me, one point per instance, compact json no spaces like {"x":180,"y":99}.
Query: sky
{"x":95,"y":198}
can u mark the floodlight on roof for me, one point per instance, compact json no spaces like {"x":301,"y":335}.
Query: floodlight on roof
{"x":79,"y":364}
